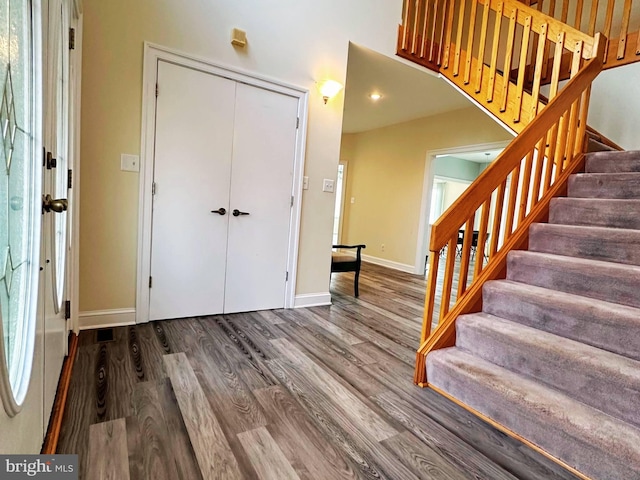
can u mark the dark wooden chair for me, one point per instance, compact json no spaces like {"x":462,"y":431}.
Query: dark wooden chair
{"x":344,"y":262}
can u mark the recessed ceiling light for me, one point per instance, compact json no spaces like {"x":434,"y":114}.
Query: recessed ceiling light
{"x":375,"y":96}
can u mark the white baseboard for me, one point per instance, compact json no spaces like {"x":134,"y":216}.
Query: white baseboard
{"x":107,"y":318}
{"x":403,"y":267}
{"x":312,"y":300}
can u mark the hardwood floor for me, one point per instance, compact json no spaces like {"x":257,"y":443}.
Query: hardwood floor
{"x":320,"y":393}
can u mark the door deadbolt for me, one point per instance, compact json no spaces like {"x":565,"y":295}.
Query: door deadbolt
{"x":58,"y":205}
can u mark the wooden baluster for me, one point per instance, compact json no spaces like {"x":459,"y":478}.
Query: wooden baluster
{"x":425,"y":26}
{"x":624,"y":29}
{"x":433,"y":30}
{"x":497,"y":218}
{"x":584,"y":110}
{"x":552,"y":137}
{"x":593,"y":17}
{"x":456,"y":60}
{"x":447,"y":36}
{"x":526,"y":185}
{"x":448,"y":276}
{"x":483,"y":44}
{"x":508,"y":59}
{"x":443,"y":26}
{"x":465,"y":253}
{"x":638,"y":44}
{"x":608,"y":20}
{"x":537,"y":176}
{"x":482,"y":238}
{"x":565,"y":11}
{"x":430,"y":298}
{"x":416,"y":19}
{"x":537,"y":77}
{"x":511,"y":205}
{"x":578,"y":19}
{"x":557,"y":64}
{"x":547,"y":48}
{"x":522,"y":67}
{"x":573,"y":115}
{"x":406,"y":18}
{"x":494,"y":53}
{"x":561,"y":144}
{"x":470,"y":39}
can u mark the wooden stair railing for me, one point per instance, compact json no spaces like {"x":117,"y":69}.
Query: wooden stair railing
{"x":473,"y":42}
{"x":516,"y":189}
{"x":511,"y":194}
{"x":618,"y":21}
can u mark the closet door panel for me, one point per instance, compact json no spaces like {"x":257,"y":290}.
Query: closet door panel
{"x":194,"y":134}
{"x":261,"y":186}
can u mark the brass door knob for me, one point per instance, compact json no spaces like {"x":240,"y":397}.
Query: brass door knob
{"x":58,"y":205}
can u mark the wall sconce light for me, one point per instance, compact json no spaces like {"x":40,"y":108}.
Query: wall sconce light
{"x":329,"y":89}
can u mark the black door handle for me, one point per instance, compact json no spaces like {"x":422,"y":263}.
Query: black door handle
{"x":220,"y":211}
{"x":237,"y":213}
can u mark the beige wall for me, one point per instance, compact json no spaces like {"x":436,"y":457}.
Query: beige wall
{"x":386,"y":173}
{"x":297,"y":41}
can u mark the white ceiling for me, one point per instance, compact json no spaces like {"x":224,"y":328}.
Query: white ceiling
{"x":407,"y":92}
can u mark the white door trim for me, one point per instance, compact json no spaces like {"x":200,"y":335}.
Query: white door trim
{"x":424,"y":234}
{"x":152,"y":54}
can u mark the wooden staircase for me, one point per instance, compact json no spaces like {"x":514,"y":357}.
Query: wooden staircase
{"x":511,"y":58}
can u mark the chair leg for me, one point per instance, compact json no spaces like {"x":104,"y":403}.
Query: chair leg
{"x":355,"y":283}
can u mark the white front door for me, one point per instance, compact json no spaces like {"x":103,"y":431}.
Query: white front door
{"x":191,"y":175}
{"x":21,"y":286}
{"x":223,"y":173}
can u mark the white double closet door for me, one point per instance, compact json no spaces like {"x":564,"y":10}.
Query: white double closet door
{"x":221,"y":147}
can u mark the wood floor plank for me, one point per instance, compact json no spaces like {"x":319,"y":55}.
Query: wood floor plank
{"x":422,"y":460}
{"x":135,"y":448}
{"x":212,"y":450}
{"x":344,"y":335}
{"x":265,"y":455}
{"x":366,"y":419}
{"x":448,"y":445}
{"x":301,"y":441}
{"x":151,"y":351}
{"x":108,"y":455}
{"x":155,"y":440}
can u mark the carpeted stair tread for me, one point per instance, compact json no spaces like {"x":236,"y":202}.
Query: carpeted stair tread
{"x":612,"y":162}
{"x":594,"y":322}
{"x":615,"y":213}
{"x":596,"y":444}
{"x":619,"y":245}
{"x":607,"y":281}
{"x":604,"y":185}
{"x":583,"y":372}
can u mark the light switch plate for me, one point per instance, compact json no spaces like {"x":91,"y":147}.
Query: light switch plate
{"x":327,"y":185}
{"x":129,"y":163}
{"x":305,"y":183}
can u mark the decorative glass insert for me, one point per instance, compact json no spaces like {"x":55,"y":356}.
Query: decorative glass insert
{"x":20,"y":203}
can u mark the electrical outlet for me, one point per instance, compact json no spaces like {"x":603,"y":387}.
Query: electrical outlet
{"x":305,"y":183}
{"x":327,"y":185}
{"x":382,"y":247}
{"x":129,"y":163}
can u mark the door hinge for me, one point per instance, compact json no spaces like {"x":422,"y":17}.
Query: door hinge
{"x":72,"y":39}
{"x":150,"y":281}
{"x":67,"y":309}
{"x":287,"y":277}
{"x":153,"y":188}
{"x":298,"y":122}
{"x":51,"y":162}
{"x":157,"y":90}
{"x":69,"y":179}
{"x":292,"y":200}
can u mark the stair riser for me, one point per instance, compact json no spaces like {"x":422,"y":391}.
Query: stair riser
{"x":624,"y":186}
{"x":558,"y":363}
{"x":609,"y":284}
{"x":568,"y":444}
{"x":597,"y":213}
{"x":612,"y":162}
{"x":606,"y":326}
{"x":615,"y":245}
